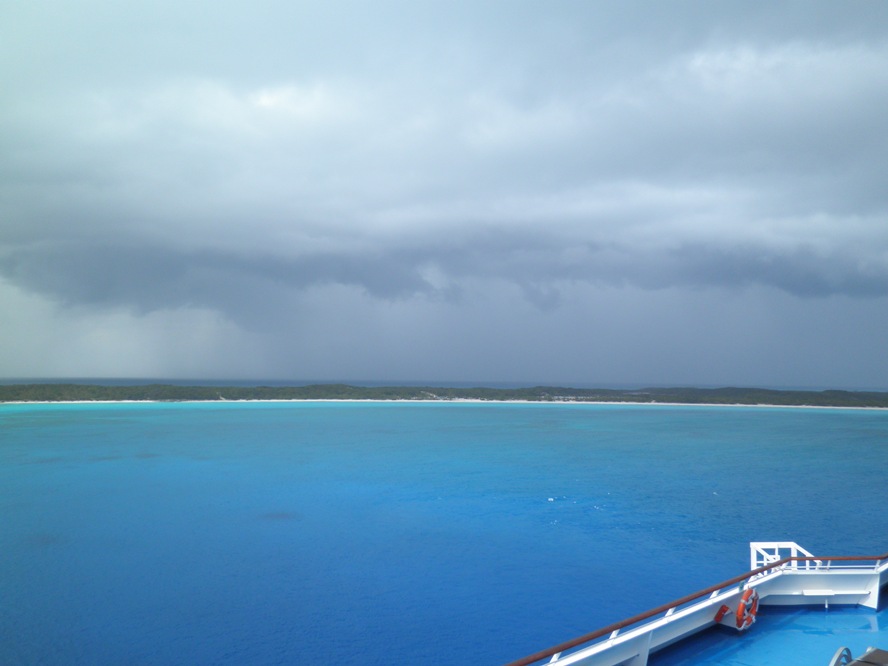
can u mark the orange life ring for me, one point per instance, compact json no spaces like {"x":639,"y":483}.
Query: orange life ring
{"x":747,"y":609}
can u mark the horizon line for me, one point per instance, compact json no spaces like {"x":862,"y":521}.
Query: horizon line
{"x":396,"y":383}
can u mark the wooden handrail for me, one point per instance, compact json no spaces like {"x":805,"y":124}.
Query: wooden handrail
{"x":635,"y":619}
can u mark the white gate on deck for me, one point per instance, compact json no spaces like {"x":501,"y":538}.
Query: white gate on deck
{"x":764,"y":553}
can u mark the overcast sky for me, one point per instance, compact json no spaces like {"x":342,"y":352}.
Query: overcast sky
{"x":591,"y":193}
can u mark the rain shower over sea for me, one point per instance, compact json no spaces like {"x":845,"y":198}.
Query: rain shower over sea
{"x":399,"y":533}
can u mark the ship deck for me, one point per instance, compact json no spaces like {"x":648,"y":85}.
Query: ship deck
{"x":783,"y":635}
{"x":790,"y":608}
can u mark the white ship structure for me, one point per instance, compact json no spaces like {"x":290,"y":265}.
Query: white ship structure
{"x":782,"y":573}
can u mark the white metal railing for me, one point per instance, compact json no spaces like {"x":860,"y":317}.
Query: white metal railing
{"x":782,"y":573}
{"x":765,"y":553}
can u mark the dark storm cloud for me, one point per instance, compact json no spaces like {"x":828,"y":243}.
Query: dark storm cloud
{"x":148,"y":278}
{"x":416,"y":159}
{"x":153,"y":277}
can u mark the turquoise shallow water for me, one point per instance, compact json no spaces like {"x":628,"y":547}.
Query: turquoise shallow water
{"x":368,"y":533}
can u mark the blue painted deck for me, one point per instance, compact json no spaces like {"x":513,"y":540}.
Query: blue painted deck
{"x":784,"y":635}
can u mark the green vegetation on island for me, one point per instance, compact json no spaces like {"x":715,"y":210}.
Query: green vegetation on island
{"x":52,"y":392}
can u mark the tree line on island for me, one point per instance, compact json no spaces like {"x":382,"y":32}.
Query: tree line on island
{"x":53,"y":392}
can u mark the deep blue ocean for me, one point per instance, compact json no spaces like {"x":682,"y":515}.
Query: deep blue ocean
{"x":399,"y":533}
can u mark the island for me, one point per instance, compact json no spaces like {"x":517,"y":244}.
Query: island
{"x":60,"y":392}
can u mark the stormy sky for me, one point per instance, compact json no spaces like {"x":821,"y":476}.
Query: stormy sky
{"x":593,"y":193}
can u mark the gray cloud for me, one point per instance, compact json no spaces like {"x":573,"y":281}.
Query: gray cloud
{"x":155,"y":277}
{"x":410,"y":160}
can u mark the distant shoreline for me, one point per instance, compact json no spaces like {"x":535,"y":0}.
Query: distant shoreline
{"x":163,"y":393}
{"x":465,"y":401}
